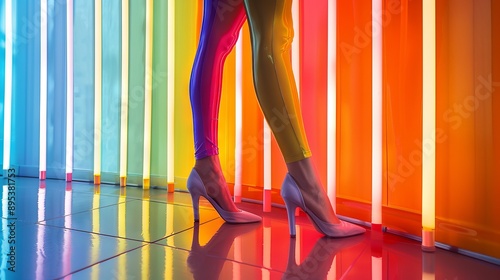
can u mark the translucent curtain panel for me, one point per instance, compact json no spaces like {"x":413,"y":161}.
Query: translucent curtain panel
{"x":83,"y":90}
{"x":354,"y":106}
{"x":186,"y":42}
{"x":137,"y":25}
{"x":252,"y":131}
{"x":313,"y":98}
{"x":111,"y":90}
{"x":159,"y":88}
{"x":56,"y":90}
{"x":402,"y":76}
{"x":467,"y":192}
{"x":25,"y":97}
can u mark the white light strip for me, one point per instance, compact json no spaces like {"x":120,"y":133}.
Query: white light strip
{"x":377,"y":112}
{"x":7,"y":85}
{"x":43,"y":88}
{"x":124,"y":94}
{"x":267,"y":156}
{"x":429,"y":120}
{"x":332,"y":104}
{"x":69,"y":90}
{"x":97,"y":90}
{"x":296,"y":43}
{"x":148,"y":95}
{"x":171,"y":91}
{"x":238,"y":119}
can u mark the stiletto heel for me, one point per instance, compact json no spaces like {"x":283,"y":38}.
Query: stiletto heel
{"x":293,"y":198}
{"x":196,"y":204}
{"x":196,"y":188}
{"x":290,"y":211}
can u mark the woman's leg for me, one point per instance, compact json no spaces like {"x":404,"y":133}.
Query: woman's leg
{"x":222,"y":21}
{"x":272,"y":33}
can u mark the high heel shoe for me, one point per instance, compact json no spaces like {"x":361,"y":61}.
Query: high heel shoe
{"x":293,"y":199}
{"x":197,"y":188}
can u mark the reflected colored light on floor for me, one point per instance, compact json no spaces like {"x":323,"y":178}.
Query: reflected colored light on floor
{"x":238,"y":258}
{"x":298,"y":237}
{"x":377,"y":268}
{"x":66,"y":258}
{"x":43,"y":89}
{"x":429,"y":122}
{"x":377,"y":146}
{"x":40,"y":237}
{"x":148,"y":76}
{"x":124,"y":94}
{"x":97,"y":89}
{"x":96,"y":225}
{"x":69,"y":91}
{"x":8,"y":85}
{"x":122,"y":231}
{"x":266,"y":258}
{"x":146,"y":233}
{"x":169,"y":256}
{"x":332,"y":104}
{"x":332,"y":273}
{"x":171,"y":93}
{"x":428,"y":267}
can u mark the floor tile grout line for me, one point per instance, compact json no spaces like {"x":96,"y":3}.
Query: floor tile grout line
{"x":120,"y":237}
{"x":83,"y":211}
{"x":102,"y":261}
{"x":182,"y":231}
{"x":225,"y":259}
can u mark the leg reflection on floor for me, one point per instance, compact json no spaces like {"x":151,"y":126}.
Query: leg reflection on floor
{"x":79,"y":231}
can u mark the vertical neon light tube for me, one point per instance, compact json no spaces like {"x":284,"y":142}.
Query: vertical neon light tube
{"x":296,"y":43}
{"x":170,"y":93}
{"x":267,"y":168}
{"x":69,"y":90}
{"x":148,"y":74}
{"x":238,"y":119}
{"x":377,"y":114}
{"x":332,"y":104}
{"x":7,"y":85}
{"x":429,"y":123}
{"x":124,"y":95}
{"x":296,"y":51}
{"x":97,"y":91}
{"x":43,"y":89}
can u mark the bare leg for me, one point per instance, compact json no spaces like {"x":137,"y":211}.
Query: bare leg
{"x":211,"y":174}
{"x":315,"y":197}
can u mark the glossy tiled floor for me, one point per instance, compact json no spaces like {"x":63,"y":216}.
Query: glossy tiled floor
{"x":78,"y":231}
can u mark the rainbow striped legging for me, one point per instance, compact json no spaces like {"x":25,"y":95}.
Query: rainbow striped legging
{"x":271,"y":32}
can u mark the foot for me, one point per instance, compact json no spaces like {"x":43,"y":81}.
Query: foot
{"x":211,"y":174}
{"x":315,"y":197}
